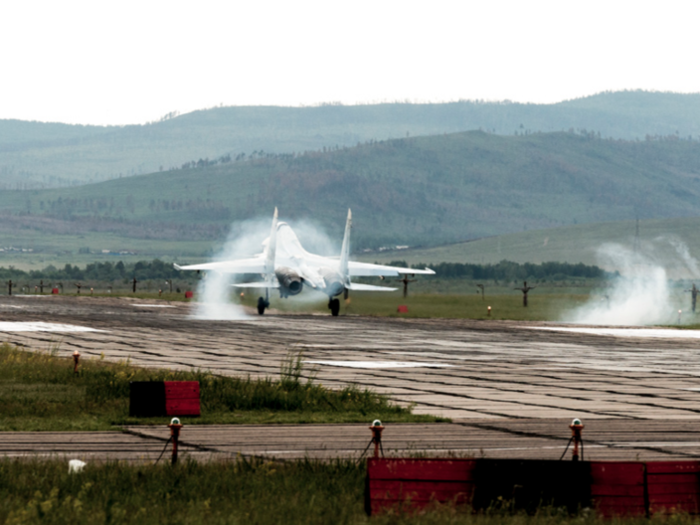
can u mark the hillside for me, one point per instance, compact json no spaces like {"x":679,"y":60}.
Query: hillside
{"x":412,"y":191}
{"x":35,"y":155}
{"x":661,"y":241}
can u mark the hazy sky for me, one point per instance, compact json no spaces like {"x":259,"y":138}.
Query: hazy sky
{"x":134,"y":61}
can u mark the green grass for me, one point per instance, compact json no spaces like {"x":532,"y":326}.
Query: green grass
{"x":38,"y":391}
{"x":543,"y":305}
{"x":235,"y":492}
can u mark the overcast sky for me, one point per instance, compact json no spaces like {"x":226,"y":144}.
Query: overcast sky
{"x":102,"y":62}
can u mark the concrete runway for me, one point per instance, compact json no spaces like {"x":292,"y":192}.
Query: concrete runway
{"x":481,"y":374}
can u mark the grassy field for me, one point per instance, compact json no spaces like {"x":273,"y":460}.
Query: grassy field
{"x":545,"y":304}
{"x":38,"y":391}
{"x":233,"y":492}
{"x":61,"y":249}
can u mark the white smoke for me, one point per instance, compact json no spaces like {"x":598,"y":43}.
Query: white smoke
{"x":642,"y":293}
{"x":246,"y":239}
{"x":215,"y":291}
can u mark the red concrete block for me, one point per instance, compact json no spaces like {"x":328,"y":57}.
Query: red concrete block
{"x":182,"y":398}
{"x":614,"y":473}
{"x":665,"y":479}
{"x":430,"y":470}
{"x":181,"y":390}
{"x":673,"y":467}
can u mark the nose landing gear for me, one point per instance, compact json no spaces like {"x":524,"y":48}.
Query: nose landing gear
{"x":262,"y":304}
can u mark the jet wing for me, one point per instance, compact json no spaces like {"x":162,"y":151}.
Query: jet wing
{"x":257,"y":284}
{"x":358,"y":287}
{"x":358,"y":269}
{"x":253,"y":265}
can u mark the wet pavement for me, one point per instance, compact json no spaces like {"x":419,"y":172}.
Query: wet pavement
{"x":484,"y":375}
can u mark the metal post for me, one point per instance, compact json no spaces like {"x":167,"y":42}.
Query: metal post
{"x":76,"y":361}
{"x":576,"y":427}
{"x":175,"y":427}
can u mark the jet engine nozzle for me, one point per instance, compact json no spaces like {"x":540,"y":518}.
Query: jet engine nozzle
{"x":291,"y":283}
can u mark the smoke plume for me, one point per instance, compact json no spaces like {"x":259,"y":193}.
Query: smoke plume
{"x":642,"y":293}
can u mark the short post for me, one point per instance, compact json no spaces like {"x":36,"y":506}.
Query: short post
{"x":376,"y":429}
{"x":488,"y":311}
{"x":174,"y":427}
{"x":76,"y":361}
{"x":576,"y":427}
{"x":9,"y":287}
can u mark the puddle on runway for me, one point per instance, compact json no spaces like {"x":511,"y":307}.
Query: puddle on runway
{"x":6,"y":326}
{"x":380,"y":364}
{"x":662,"y":333}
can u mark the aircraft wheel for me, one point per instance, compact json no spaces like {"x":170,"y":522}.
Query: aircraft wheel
{"x":335,"y":307}
{"x":262,"y":304}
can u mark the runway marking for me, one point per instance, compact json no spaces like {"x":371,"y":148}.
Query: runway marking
{"x":663,"y":333}
{"x":379,"y":364}
{"x":6,"y":326}
{"x":152,"y":306}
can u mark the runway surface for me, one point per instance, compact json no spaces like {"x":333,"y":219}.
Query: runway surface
{"x":479,"y":373}
{"x":521,"y":439}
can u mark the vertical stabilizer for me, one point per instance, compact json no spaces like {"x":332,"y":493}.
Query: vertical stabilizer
{"x":345,"y":251}
{"x":271,"y":249}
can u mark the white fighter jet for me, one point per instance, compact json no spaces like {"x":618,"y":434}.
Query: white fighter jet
{"x":284,"y":264}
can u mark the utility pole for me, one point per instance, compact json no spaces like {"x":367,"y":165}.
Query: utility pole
{"x":525,"y":289}
{"x":694,"y":294}
{"x":405,"y":282}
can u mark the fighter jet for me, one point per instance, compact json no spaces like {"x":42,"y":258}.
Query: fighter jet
{"x":285,"y":265}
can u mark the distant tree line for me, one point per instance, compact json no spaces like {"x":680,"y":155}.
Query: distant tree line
{"x":97,"y":271}
{"x":157,"y":269}
{"x":512,"y":271}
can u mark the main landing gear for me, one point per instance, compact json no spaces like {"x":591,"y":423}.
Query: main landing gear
{"x":334,"y":306}
{"x":262,"y":304}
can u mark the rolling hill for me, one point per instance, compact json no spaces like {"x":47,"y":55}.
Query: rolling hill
{"x":660,"y":241}
{"x":412,"y":191}
{"x":43,"y":155}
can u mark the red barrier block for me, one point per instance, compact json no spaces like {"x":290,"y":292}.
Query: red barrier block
{"x":673,"y":486}
{"x":617,"y":473}
{"x":617,"y":489}
{"x":54,"y":291}
{"x":402,"y":309}
{"x":182,"y":398}
{"x":673,"y":467}
{"x":189,"y":294}
{"x":416,"y":483}
{"x":424,"y":469}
